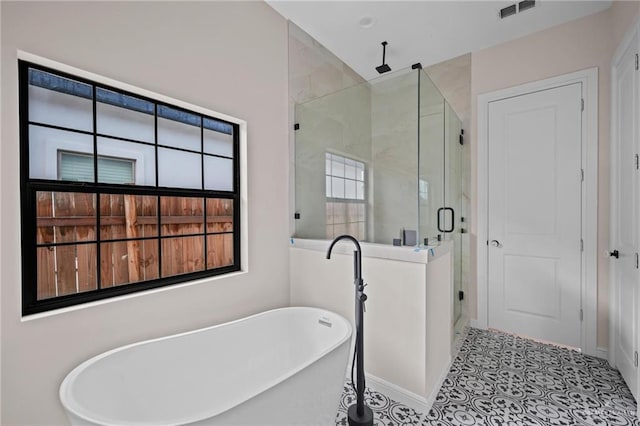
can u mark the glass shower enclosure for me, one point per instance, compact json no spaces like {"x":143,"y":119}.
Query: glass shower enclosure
{"x":383,"y":161}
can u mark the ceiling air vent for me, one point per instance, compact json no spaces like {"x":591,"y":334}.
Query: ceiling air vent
{"x":516,"y":8}
{"x":508,"y":11}
{"x":526,"y":4}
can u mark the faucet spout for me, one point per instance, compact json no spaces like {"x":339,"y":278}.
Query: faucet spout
{"x":357,"y":258}
{"x":343,"y":237}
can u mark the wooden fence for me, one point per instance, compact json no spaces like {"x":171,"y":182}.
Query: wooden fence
{"x":64,"y":217}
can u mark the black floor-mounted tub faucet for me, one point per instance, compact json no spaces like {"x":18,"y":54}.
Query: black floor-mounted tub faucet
{"x":359,"y":414}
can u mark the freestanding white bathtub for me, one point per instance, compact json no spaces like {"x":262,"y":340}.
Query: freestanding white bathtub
{"x":281,"y":367}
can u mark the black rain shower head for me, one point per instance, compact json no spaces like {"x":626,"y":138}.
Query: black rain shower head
{"x":384,"y":67}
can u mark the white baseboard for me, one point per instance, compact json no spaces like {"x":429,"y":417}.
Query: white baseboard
{"x":408,"y":398}
{"x":434,"y":392}
{"x":475,"y":324}
{"x":602,"y":353}
{"x":462,"y":322}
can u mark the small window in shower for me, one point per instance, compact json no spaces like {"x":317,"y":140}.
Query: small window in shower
{"x":346,"y":196}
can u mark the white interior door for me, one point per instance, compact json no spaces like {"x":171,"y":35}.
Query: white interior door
{"x":625,"y":218}
{"x":534,"y":220}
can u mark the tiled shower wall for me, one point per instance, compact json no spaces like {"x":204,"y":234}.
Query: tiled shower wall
{"x":315,"y":72}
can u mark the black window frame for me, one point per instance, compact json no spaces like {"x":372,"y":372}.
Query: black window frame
{"x":30,"y":186}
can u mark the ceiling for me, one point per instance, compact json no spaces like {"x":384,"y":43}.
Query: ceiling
{"x":420,"y":31}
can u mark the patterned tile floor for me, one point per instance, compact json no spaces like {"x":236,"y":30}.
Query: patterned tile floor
{"x":498,"y":379}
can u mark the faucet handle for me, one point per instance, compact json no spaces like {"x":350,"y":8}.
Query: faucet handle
{"x":363,"y":298}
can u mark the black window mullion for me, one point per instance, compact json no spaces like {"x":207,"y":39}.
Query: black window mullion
{"x":204,"y":199}
{"x":158,"y":212}
{"x":155,"y":135}
{"x":112,"y":240}
{"x":97,"y":193}
{"x":176,"y":148}
{"x":206,"y":154}
{"x":64,"y":129}
{"x":217,"y":233}
{"x":28,"y":206}
{"x":123,"y":139}
{"x":195,"y":234}
{"x":236,"y":199}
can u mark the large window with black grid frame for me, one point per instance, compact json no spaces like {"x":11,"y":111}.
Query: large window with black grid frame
{"x":120,"y":192}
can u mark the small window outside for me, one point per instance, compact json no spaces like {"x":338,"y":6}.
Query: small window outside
{"x":346,"y":196}
{"x":78,"y":167}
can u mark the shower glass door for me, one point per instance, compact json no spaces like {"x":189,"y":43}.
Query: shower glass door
{"x":465,"y":219}
{"x":454,"y":199}
{"x":431,"y":158}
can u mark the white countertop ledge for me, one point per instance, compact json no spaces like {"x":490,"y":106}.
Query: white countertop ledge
{"x":418,"y":254}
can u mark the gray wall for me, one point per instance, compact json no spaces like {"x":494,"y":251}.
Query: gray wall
{"x":228,"y":57}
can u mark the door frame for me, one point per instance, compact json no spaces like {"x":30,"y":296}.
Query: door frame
{"x":632,"y":36}
{"x":589,"y":274}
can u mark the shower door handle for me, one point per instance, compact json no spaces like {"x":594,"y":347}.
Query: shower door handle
{"x":453,"y":219}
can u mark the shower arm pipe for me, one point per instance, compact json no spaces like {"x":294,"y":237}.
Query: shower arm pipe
{"x":359,"y":314}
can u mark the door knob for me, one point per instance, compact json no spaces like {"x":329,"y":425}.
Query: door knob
{"x":496,"y":243}
{"x":614,"y":253}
